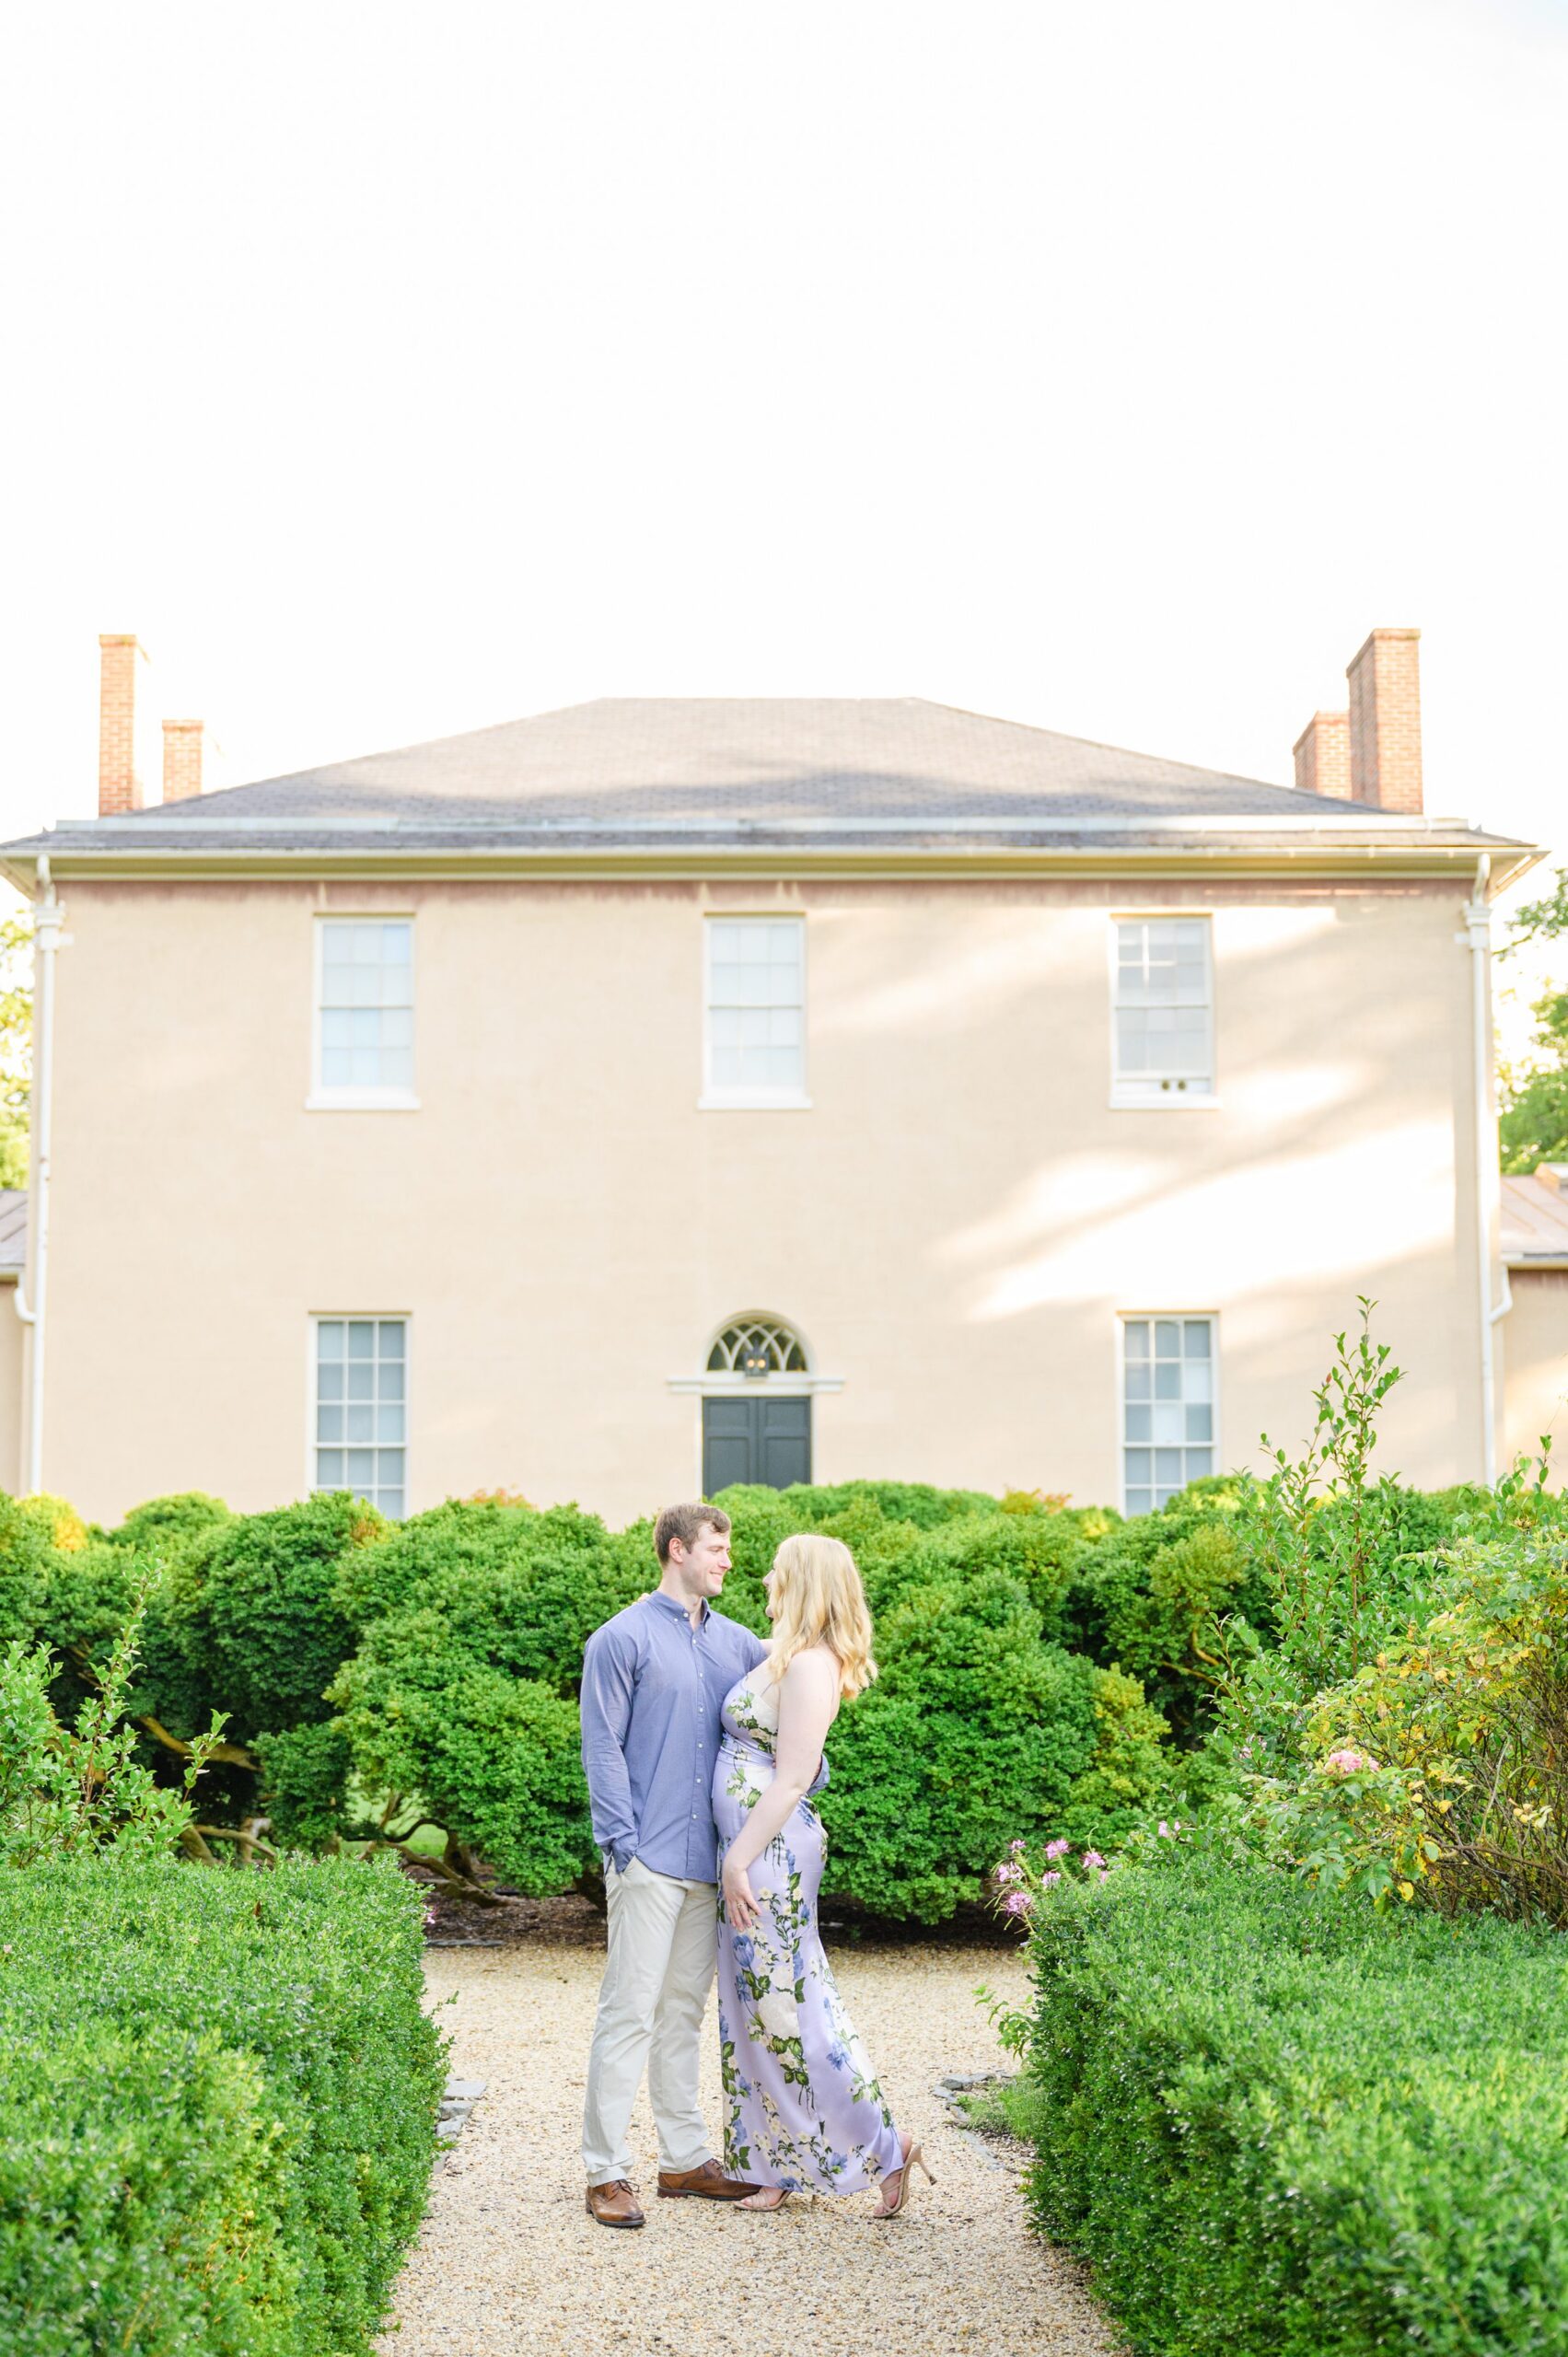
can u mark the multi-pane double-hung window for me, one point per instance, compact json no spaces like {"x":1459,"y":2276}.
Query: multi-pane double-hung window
{"x":1164,"y":1048}
{"x":1167,"y":1408}
{"x":755,"y":1024}
{"x":365,"y":1011}
{"x":360,"y":1441}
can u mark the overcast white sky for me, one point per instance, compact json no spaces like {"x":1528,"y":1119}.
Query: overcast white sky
{"x":395,"y":370}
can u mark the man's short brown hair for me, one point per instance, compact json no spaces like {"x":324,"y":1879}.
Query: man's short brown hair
{"x":686,"y":1524}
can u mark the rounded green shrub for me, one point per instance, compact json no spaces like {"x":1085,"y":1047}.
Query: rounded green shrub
{"x":976,"y":1732}
{"x":759,"y":1522}
{"x":395,"y":1568}
{"x":1039,"y":1550}
{"x":261,"y":1611}
{"x":1147,"y":1594}
{"x":26,"y":1557}
{"x":305,"y":1777}
{"x":916,"y":1502}
{"x":166,"y":1527}
{"x":494,"y":1762}
{"x":461,"y":1704}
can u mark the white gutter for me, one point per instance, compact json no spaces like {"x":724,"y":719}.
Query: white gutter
{"x":46,"y":940}
{"x":1478,"y":932}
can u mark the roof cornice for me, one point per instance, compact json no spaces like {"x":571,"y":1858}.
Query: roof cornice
{"x":1412,"y":855}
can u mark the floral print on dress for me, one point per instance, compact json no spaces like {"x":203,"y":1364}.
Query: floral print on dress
{"x":802,"y":2107}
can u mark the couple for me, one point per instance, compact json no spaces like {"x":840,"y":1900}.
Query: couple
{"x":701,"y":1743}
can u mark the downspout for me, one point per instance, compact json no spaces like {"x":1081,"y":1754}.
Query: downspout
{"x":1478,"y":929}
{"x":46,"y":940}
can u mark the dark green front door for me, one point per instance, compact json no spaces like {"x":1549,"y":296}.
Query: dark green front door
{"x":749,"y":1436}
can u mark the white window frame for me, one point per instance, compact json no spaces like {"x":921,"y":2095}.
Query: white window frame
{"x":1181,"y":1099}
{"x":316,"y":1317}
{"x":321,"y":1099}
{"x":773,"y":1100}
{"x":1211,"y":1318}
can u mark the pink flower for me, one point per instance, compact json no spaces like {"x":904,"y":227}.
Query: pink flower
{"x":1017,"y":1902}
{"x":1093,"y":1858}
{"x":1018,"y":1847}
{"x":1057,"y":1848}
{"x":1009,"y":1871}
{"x":1164,"y":1832}
{"x":1048,"y":1879}
{"x":1349,"y":1763}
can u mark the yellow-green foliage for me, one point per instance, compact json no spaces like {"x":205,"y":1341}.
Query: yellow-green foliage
{"x":1128,"y":1766}
{"x":1149,"y":1595}
{"x":1190,"y":1582}
{"x":58,"y":1519}
{"x":27,"y":1558}
{"x":1446,"y":1759}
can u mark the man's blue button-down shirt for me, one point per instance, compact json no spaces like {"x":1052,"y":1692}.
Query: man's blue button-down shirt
{"x":653,"y":1690}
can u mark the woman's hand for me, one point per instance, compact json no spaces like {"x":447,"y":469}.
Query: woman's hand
{"x":740,"y":1907}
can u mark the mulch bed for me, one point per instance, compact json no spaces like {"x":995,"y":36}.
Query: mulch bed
{"x":574,"y":1922}
{"x":512,"y":1923}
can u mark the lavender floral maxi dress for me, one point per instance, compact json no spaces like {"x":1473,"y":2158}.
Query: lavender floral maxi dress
{"x":802,"y":2105}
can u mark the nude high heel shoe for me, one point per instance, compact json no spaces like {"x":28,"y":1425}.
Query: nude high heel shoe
{"x":914,"y":2159}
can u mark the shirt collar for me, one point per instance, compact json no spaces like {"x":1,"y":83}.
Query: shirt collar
{"x":673,"y":1604}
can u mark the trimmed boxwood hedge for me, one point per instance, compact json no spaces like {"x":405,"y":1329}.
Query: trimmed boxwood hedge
{"x":1276,"y":2120}
{"x":221,"y":2096}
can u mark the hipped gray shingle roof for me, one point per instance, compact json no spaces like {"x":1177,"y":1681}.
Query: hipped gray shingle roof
{"x":837,"y":769}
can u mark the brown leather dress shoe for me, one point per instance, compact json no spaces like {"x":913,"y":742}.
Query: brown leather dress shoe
{"x":708,"y":2183}
{"x":614,"y":2204}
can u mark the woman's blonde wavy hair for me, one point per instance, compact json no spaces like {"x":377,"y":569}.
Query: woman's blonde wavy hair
{"x":817,"y":1599}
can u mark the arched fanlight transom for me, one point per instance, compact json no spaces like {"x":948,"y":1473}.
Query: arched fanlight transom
{"x":758,"y":1347}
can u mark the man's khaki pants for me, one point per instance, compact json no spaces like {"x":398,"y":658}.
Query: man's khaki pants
{"x":663,"y":1950}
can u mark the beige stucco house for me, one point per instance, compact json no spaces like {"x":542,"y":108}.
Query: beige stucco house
{"x":1535,"y":1252}
{"x":653,"y":1094}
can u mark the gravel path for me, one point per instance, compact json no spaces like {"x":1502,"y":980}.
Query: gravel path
{"x":509,"y":2264}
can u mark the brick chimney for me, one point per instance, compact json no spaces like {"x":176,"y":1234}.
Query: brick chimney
{"x":1384,"y":721}
{"x":119,"y":782}
{"x":182,"y":760}
{"x":1322,"y":755}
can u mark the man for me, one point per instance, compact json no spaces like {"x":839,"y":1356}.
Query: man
{"x":654,"y":1681}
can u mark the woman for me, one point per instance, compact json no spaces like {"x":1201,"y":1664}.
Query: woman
{"x":803,"y":2109}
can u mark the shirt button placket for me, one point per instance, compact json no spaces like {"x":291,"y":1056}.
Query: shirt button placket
{"x":697,"y":1776}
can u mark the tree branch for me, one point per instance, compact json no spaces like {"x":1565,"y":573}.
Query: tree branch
{"x":461,"y":1885}
{"x":240,"y":1833}
{"x":408,"y":1831}
{"x":231,"y":1754}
